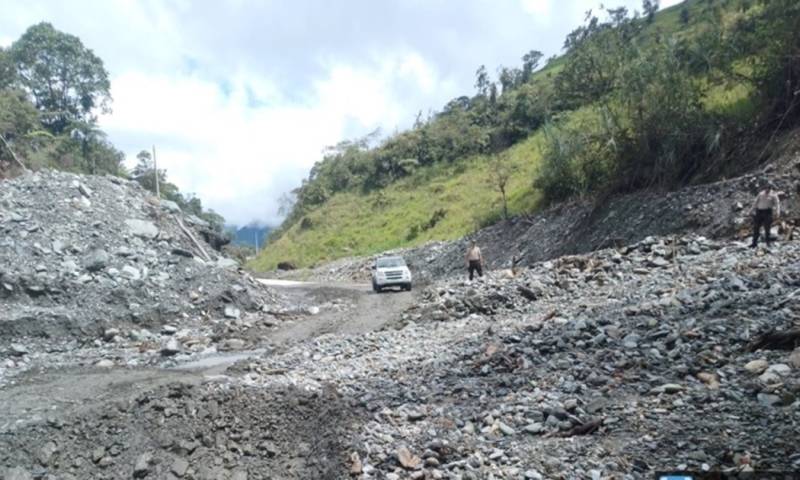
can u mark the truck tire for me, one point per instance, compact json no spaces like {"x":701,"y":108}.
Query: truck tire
{"x":407,"y":287}
{"x":375,"y":287}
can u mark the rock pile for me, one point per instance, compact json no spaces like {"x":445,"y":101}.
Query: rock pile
{"x":609,"y":365}
{"x":90,"y":257}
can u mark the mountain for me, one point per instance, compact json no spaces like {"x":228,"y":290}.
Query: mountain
{"x":250,"y":235}
{"x":688,"y":95}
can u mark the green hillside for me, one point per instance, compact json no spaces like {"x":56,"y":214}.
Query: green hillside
{"x":636,"y":101}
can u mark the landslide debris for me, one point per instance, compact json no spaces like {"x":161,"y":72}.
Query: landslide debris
{"x":626,"y":362}
{"x":88,"y":259}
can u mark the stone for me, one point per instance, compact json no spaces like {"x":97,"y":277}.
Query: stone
{"x":794,"y":358}
{"x":105,"y":363}
{"x":131,"y":273}
{"x":170,"y":206}
{"x":780,"y":369}
{"x":18,"y":350}
{"x":768,"y":399}
{"x":98,"y":453}
{"x":142,"y":467}
{"x":142,"y":228}
{"x":171,"y":347}
{"x":534,"y":428}
{"x":407,"y":459}
{"x":507,"y":430}
{"x":232,"y":312}
{"x":532,"y":475}
{"x":45,"y":453}
{"x":756,"y":367}
{"x":169,"y":330}
{"x":96,"y":260}
{"x":110,"y":334}
{"x":17,"y":473}
{"x":227,"y":263}
{"x":84,"y":190}
{"x":179,"y":467}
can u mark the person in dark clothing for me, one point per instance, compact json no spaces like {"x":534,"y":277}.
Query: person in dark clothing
{"x":474,"y":260}
{"x":766,"y":205}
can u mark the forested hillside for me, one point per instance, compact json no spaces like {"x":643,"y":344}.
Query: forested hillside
{"x":656,"y":99}
{"x":52,"y":89}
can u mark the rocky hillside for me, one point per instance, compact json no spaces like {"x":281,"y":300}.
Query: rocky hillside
{"x":715,"y":210}
{"x":91,"y":257}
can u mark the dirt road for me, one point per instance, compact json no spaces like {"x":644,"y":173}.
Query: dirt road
{"x":55,"y":391}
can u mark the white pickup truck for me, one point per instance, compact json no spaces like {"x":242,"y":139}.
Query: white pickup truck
{"x":390,"y":272}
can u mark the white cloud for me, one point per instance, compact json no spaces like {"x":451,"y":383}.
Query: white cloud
{"x":239,"y":156}
{"x":540,"y":9}
{"x":240,"y":97}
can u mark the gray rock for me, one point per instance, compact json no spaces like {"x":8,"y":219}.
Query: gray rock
{"x":170,"y":206}
{"x":131,"y":273}
{"x":142,"y":467}
{"x":85,"y":191}
{"x":169,"y":330}
{"x":532,"y":475}
{"x":232,"y":312}
{"x":225,"y":262}
{"x":768,"y":399}
{"x":17,"y":473}
{"x":142,"y":228}
{"x":18,"y":350}
{"x":171,"y":347}
{"x":96,"y":260}
{"x":179,"y":467}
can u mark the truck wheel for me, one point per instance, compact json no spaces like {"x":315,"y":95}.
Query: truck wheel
{"x":407,"y":287}
{"x":376,"y":288}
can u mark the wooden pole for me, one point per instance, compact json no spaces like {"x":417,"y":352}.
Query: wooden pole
{"x":155,"y":171}
{"x":13,"y":155}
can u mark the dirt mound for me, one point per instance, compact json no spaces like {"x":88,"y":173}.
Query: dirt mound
{"x":183,"y":431}
{"x":84,"y":254}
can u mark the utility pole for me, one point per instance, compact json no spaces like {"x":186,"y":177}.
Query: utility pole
{"x":155,"y":170}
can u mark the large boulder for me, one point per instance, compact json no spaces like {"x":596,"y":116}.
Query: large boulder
{"x":141,"y":228}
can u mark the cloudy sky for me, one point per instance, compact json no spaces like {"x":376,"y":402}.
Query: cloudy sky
{"x":240,"y":97}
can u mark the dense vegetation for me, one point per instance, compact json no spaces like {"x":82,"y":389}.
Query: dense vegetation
{"x":636,"y":101}
{"x":51,"y":90}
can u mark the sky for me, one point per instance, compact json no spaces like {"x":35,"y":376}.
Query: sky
{"x":241,"y":97}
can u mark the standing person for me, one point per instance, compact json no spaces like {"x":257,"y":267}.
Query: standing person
{"x":767,"y":203}
{"x":474,"y":260}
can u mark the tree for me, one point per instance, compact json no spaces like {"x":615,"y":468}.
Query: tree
{"x":482,"y":81}
{"x":501,"y":171}
{"x":685,"y":15}
{"x":650,"y":7}
{"x":7,"y":72}
{"x":66,"y":80}
{"x":530,"y":61}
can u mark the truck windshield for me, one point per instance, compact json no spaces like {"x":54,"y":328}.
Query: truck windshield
{"x":389,"y":262}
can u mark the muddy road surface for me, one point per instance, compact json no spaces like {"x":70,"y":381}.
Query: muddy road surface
{"x":69,"y":415}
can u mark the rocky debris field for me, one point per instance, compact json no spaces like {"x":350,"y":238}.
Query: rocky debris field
{"x":94,"y":262}
{"x":672,"y":353}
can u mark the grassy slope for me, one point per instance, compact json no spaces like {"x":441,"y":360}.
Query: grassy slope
{"x":355,"y":224}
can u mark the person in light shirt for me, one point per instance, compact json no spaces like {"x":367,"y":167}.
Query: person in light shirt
{"x":766,"y":207}
{"x":474,"y":260}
